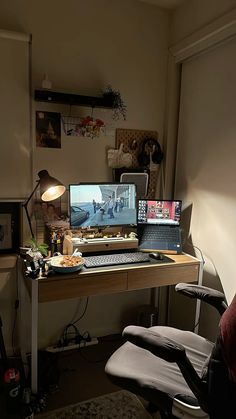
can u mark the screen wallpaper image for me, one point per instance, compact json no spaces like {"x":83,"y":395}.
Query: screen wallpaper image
{"x":159,"y":212}
{"x":102,"y":205}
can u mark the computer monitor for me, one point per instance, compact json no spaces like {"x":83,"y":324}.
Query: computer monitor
{"x":159,"y":211}
{"x":102,"y":205}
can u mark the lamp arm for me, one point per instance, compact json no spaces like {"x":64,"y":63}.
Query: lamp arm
{"x":25,"y":205}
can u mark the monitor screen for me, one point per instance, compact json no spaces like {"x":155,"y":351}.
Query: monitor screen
{"x":159,"y":212}
{"x":102,"y":204}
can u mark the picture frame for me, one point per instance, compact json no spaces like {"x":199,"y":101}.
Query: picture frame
{"x":10,"y":227}
{"x":48,"y":129}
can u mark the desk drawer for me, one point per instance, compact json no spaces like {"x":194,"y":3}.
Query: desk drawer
{"x":80,"y":286}
{"x":166,"y":275}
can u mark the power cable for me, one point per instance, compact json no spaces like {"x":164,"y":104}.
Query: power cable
{"x":82,"y":315}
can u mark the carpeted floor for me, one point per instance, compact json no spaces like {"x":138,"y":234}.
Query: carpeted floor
{"x":81,"y":374}
{"x":82,"y":378}
{"x":117,"y":405}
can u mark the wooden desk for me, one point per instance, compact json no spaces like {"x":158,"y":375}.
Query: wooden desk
{"x":104,"y":280}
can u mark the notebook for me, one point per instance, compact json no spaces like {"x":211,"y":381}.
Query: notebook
{"x":158,"y":225}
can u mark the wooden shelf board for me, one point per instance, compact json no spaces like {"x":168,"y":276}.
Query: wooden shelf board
{"x":72,"y":99}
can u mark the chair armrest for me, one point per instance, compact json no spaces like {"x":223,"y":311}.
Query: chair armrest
{"x":208,"y":295}
{"x":155,"y":343}
{"x":170,"y":351}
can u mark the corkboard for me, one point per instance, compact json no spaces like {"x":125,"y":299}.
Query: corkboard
{"x":132,"y":140}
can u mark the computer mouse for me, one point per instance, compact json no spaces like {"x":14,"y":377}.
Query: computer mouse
{"x":156,"y":255}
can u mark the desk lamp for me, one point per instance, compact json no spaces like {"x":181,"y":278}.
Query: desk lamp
{"x":50,"y":189}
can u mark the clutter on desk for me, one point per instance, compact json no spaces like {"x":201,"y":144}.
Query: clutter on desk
{"x":67,"y":243}
{"x":34,"y":257}
{"x":132,"y":235}
{"x":55,"y":241}
{"x":32,"y":269}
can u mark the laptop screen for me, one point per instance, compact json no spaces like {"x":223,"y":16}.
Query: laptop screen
{"x":160,"y":212}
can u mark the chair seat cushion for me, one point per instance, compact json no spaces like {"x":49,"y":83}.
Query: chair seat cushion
{"x":154,"y":379}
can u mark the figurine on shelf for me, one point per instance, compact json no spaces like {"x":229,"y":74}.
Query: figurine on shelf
{"x":67,"y":243}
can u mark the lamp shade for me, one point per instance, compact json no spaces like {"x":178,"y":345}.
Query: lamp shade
{"x":50,"y":188}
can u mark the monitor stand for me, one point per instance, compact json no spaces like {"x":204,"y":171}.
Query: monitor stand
{"x":104,"y":244}
{"x":89,"y":241}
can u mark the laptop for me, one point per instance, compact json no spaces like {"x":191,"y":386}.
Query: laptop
{"x":158,"y":225}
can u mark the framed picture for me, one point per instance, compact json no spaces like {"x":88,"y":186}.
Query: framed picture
{"x":47,"y":211}
{"x":48,"y":129}
{"x":10,"y":227}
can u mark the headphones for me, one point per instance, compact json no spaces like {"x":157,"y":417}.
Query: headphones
{"x":150,"y":145}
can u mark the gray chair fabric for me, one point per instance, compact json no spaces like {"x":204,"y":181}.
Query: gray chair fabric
{"x":165,"y":365}
{"x":134,"y":368}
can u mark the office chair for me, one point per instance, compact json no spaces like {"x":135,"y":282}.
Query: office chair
{"x":180,"y":373}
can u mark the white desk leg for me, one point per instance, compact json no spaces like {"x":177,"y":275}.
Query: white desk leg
{"x":34,"y":336}
{"x":198,"y":303}
{"x":23,"y":317}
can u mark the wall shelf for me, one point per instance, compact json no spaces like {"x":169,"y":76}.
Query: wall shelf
{"x":72,"y":99}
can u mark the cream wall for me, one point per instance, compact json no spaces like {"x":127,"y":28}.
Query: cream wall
{"x":205,"y":169}
{"x":15,"y":144}
{"x":193,"y":15}
{"x":83,"y":46}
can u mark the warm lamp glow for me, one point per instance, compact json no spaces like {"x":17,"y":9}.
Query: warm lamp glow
{"x":53,"y":192}
{"x":50,"y":189}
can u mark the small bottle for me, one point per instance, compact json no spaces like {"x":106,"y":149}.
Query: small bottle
{"x":27,"y":410}
{"x":54,"y":248}
{"x":46,"y":83}
{"x":12,"y":389}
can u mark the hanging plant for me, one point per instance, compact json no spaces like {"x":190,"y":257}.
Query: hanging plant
{"x":114,"y":97}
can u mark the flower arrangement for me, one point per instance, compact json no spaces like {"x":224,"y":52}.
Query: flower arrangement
{"x":83,"y":127}
{"x":90,"y":127}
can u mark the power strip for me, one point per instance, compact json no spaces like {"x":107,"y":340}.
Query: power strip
{"x":69,"y":347}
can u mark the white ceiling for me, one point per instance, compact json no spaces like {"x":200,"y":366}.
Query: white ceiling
{"x":166,"y":4}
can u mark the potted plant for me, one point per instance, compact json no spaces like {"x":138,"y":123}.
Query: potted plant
{"x":114,"y":98}
{"x":37,"y":251}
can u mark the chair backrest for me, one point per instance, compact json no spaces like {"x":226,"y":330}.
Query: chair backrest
{"x":228,"y":338}
{"x":221,"y":375}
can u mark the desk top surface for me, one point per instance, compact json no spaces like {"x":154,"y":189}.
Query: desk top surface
{"x":178,"y":260}
{"x":114,"y":279}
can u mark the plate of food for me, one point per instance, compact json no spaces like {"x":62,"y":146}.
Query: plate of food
{"x":67,"y":263}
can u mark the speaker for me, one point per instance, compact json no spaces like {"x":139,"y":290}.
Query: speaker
{"x":140,"y":180}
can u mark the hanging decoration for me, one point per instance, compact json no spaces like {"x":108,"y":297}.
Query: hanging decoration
{"x":89,"y":126}
{"x":118,"y":105}
{"x":83,"y":127}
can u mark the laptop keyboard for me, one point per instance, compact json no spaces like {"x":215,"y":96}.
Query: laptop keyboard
{"x":164,"y":233}
{"x":116,"y":259}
